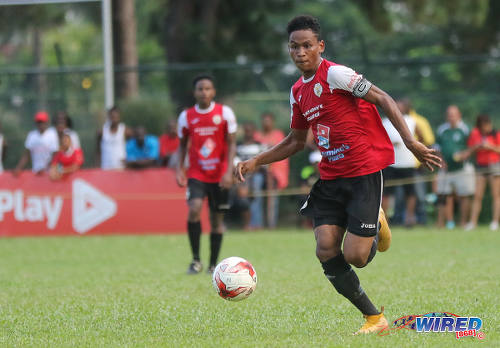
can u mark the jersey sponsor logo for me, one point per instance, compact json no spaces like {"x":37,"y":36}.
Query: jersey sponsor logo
{"x":323,"y":136}
{"x":91,"y":207}
{"x":336,"y":153}
{"x":313,"y":112}
{"x":31,"y":208}
{"x":204,"y":131}
{"x":318,"y":89}
{"x":207,"y":148}
{"x":217,"y":119}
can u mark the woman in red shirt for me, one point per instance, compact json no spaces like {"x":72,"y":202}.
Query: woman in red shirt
{"x":67,"y":160}
{"x":484,"y":141}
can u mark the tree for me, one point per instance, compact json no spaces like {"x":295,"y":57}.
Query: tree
{"x":125,"y":48}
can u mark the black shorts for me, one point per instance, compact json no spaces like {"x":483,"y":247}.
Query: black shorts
{"x":351,"y":203}
{"x":218,"y":198}
{"x":406,"y":174}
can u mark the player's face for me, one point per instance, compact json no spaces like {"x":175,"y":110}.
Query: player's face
{"x":305,"y":50}
{"x":204,"y":92}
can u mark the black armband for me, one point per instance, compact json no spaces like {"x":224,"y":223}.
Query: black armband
{"x":361,"y":88}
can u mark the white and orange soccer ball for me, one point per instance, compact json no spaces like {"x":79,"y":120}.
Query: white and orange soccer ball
{"x":234,"y":279}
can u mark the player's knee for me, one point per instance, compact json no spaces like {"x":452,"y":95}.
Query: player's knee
{"x":356,"y":259}
{"x":325,"y":254}
{"x":194,"y":214}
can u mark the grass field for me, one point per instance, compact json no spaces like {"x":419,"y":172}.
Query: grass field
{"x":133,"y":291}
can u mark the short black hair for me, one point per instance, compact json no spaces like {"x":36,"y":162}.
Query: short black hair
{"x":304,"y":22}
{"x":114,"y":108}
{"x":203,"y":77}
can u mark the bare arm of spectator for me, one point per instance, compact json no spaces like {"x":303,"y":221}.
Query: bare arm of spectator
{"x":4,"y":150}
{"x":98,"y":149}
{"x":25,"y":158}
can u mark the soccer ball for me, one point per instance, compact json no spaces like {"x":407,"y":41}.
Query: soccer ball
{"x":234,"y":279}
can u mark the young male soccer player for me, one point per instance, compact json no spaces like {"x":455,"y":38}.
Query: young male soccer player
{"x":339,"y":106}
{"x":209,"y":129}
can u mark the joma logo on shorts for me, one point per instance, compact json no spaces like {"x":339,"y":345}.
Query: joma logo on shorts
{"x":363,"y":225}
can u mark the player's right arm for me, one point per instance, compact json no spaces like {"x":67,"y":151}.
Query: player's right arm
{"x":293,"y":143}
{"x":182,"y":151}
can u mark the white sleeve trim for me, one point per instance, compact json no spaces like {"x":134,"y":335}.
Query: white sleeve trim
{"x":342,"y":77}
{"x":181,"y":124}
{"x":228,"y":115}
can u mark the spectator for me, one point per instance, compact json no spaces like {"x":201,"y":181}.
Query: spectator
{"x":67,"y":160}
{"x":142,"y":150}
{"x":426,"y":136}
{"x":308,"y":176}
{"x":169,"y":142}
{"x":111,"y":139}
{"x":64,"y":124}
{"x":402,"y":169}
{"x":484,"y":142}
{"x":250,"y":210}
{"x":3,"y":149}
{"x":456,"y":176}
{"x":40,"y":144}
{"x":277,"y":173}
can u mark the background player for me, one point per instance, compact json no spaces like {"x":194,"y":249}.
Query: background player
{"x":339,"y":106}
{"x":209,"y":129}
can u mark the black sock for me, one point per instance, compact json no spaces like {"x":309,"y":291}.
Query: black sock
{"x":194,"y":233}
{"x":346,"y":282}
{"x":215,"y":243}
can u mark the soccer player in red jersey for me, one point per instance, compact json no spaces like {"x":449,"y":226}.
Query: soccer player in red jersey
{"x":207,"y":130}
{"x":339,"y":106}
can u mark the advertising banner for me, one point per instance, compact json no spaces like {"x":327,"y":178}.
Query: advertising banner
{"x":93,"y":201}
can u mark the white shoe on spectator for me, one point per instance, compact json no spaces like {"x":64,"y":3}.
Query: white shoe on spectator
{"x":494,"y":225}
{"x":470,"y":226}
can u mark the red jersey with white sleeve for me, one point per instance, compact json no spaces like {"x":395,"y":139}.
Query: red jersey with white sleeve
{"x":347,"y":129}
{"x":207,"y":130}
{"x":68,"y":158}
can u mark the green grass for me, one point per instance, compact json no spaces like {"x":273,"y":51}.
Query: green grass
{"x":133,"y":291}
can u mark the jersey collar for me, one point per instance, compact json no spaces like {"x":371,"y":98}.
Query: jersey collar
{"x":312,"y":77}
{"x":204,"y":111}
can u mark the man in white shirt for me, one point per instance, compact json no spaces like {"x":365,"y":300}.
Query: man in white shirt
{"x":40,"y":144}
{"x":404,"y":169}
{"x":111,"y":139}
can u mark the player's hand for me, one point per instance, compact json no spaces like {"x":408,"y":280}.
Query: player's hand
{"x":425,"y":155}
{"x":180,"y":177}
{"x":227,"y":180}
{"x":248,"y":166}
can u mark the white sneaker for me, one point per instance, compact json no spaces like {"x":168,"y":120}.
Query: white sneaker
{"x":470,"y":226}
{"x":494,"y":225}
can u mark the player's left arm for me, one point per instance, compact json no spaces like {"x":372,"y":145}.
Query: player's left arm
{"x":383,"y":100}
{"x":227,"y":179}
